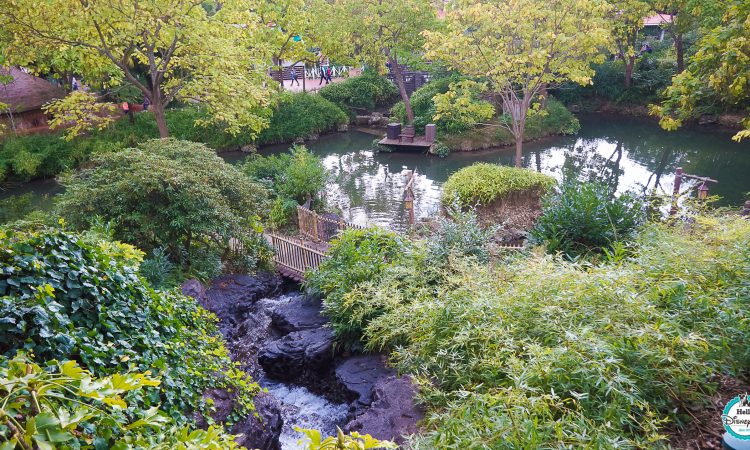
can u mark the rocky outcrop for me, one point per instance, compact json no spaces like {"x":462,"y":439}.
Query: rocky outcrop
{"x":303,"y":357}
{"x":357,"y":376}
{"x":232,"y":297}
{"x":392,"y":413}
{"x":298,"y":316}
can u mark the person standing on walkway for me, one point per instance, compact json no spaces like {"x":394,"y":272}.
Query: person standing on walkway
{"x":146,"y":103}
{"x":328,"y":75}
{"x":323,"y":69}
{"x":293,"y":76}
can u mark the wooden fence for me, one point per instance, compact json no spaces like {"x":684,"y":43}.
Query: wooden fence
{"x":293,"y":257}
{"x":319,"y":228}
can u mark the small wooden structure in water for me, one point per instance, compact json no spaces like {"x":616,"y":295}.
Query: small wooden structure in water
{"x":407,"y":138}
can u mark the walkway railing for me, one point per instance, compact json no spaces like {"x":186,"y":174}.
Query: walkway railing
{"x":319,"y":228}
{"x":294,"y":257}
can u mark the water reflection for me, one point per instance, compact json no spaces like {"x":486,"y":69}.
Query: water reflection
{"x":622,"y":152}
{"x":625,"y":153}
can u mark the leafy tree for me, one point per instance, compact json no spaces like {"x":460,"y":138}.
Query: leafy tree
{"x":380,"y":31}
{"x":185,"y":51}
{"x":78,"y":112}
{"x":521,"y":47}
{"x":626,"y":21}
{"x":284,"y":24}
{"x":173,"y":194}
{"x":720,"y":68}
{"x":460,"y":108}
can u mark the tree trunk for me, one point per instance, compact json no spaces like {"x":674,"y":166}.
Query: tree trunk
{"x":402,"y":89}
{"x":161,"y":120}
{"x":679,"y":47}
{"x":629,"y":65}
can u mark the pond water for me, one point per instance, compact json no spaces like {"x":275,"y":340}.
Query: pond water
{"x":626,"y":153}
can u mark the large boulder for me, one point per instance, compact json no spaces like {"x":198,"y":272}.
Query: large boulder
{"x":231,"y":297}
{"x":303,"y":357}
{"x":297,"y":315}
{"x":358,"y":375}
{"x":393,"y":413}
{"x":257,"y":431}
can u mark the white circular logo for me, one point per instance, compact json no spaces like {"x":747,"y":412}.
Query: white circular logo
{"x":736,"y":417}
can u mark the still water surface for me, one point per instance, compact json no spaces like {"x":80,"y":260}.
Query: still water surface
{"x":626,"y":153}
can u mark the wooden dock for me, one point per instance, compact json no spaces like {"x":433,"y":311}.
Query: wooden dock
{"x":419,"y":142}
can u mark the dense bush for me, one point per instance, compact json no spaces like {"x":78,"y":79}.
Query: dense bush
{"x":459,"y":234}
{"x":173,"y":194}
{"x":652,"y":73}
{"x":422,"y":102}
{"x":531,"y":353}
{"x":46,"y":155}
{"x":483,"y":183}
{"x":62,"y":405}
{"x":586,"y":217}
{"x":69,"y":296}
{"x":365,"y":92}
{"x":462,"y":108}
{"x":290,"y":177}
{"x":301,"y":115}
{"x":355,"y":256}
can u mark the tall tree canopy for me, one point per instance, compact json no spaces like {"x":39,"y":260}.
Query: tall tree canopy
{"x":377,"y":32}
{"x":521,"y":46}
{"x":186,"y":51}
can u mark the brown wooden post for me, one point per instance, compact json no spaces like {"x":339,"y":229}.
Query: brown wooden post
{"x":676,"y":192}
{"x":304,"y":75}
{"x":316,"y":237}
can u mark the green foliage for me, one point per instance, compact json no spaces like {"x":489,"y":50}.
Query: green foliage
{"x":365,"y":92}
{"x":290,"y":177}
{"x":173,"y":194}
{"x":46,"y":155}
{"x":157,"y":269}
{"x":64,"y":406}
{"x":483,"y":183}
{"x":555,"y":118}
{"x":354,"y":257}
{"x":539,"y":352}
{"x":69,"y":296}
{"x":301,"y":115}
{"x":586,"y":218}
{"x":459,"y":234}
{"x":353,"y":441}
{"x":15,"y":207}
{"x":441,"y":149}
{"x":423,"y":105}
{"x":461,"y":108}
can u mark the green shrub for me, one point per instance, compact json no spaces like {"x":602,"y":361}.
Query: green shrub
{"x":157,"y":268}
{"x":353,"y":441}
{"x":539,"y":352}
{"x":483,"y":183}
{"x":586,"y":217}
{"x":355,"y":256}
{"x":462,"y":108}
{"x":365,"y":92}
{"x":173,"y":194}
{"x":423,"y":105}
{"x":63,"y":406}
{"x":459,"y":234}
{"x":301,"y":115}
{"x":291,"y":177}
{"x":71,"y":296}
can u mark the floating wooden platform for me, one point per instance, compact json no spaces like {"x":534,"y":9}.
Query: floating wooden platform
{"x":419,"y":142}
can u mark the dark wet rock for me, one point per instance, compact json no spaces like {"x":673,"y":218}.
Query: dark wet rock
{"x":298,"y":315}
{"x":231,"y":297}
{"x":393,"y":413}
{"x":194,"y":288}
{"x":303,"y":357}
{"x":259,"y":431}
{"x":358,"y":375}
